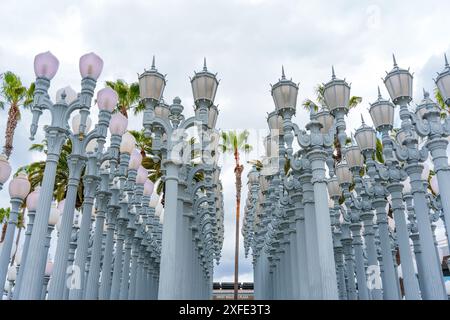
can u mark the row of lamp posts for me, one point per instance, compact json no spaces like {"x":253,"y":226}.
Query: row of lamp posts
{"x":330,"y":227}
{"x":125,"y":241}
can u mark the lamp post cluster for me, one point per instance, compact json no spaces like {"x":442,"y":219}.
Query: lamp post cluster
{"x":125,"y":241}
{"x":192,"y":233}
{"x":321,"y":226}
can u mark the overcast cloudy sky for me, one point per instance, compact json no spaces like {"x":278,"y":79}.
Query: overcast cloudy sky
{"x":245,"y":41}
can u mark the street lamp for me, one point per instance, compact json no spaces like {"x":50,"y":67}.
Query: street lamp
{"x":443,"y":82}
{"x":106,"y":101}
{"x":399,"y":84}
{"x":19,"y":187}
{"x":31,"y":202}
{"x":45,"y":66}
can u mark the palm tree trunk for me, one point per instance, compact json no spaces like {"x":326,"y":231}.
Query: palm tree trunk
{"x":337,"y":146}
{"x":123,"y":110}
{"x":19,"y":226}
{"x":238,"y":173}
{"x":5,"y":225}
{"x":13,"y":117}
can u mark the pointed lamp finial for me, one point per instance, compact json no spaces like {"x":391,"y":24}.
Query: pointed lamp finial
{"x":153,"y":63}
{"x":379,"y":93}
{"x":425,"y":94}
{"x":395,"y":61}
{"x":446,"y":61}
{"x":204,"y":64}
{"x":362,"y":120}
{"x":333,"y":75}
{"x":283,"y":76}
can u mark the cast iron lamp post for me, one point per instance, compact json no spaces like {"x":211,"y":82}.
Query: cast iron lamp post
{"x":159,"y":119}
{"x":382,"y":113}
{"x":32,"y":200}
{"x":366,"y":139}
{"x":45,"y":67}
{"x":399,"y":85}
{"x":106,"y":101}
{"x":19,"y":187}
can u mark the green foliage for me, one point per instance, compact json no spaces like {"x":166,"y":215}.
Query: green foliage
{"x":439,"y":99}
{"x":129,"y":98}
{"x":257,"y":163}
{"x":379,"y":151}
{"x":319,"y":90}
{"x":14,"y":92}
{"x":35,"y":172}
{"x":4,"y":214}
{"x":234,"y":142}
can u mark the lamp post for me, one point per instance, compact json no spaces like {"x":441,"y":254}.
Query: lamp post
{"x":399,"y":85}
{"x":19,"y":188}
{"x":45,"y":66}
{"x":158,"y":120}
{"x":382,"y":113}
{"x":366,"y":139}
{"x":353,"y":224}
{"x":106,"y":100}
{"x":31,"y":202}
{"x":91,"y":180}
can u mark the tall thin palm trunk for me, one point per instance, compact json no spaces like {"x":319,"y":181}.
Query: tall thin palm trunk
{"x":238,"y":173}
{"x":13,"y":116}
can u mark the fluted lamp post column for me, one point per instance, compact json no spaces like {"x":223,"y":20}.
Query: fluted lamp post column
{"x":438,"y":145}
{"x":106,"y":101}
{"x":382,"y":113}
{"x":32,"y":200}
{"x":399,"y":83}
{"x":46,"y":66}
{"x":19,"y":187}
{"x":366,"y":138}
{"x":117,"y":127}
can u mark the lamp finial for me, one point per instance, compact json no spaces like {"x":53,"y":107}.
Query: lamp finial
{"x":153,"y":63}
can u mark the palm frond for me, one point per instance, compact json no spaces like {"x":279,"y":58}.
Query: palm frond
{"x":354,"y":101}
{"x":439,"y":99}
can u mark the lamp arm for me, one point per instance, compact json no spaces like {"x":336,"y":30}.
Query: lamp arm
{"x":75,"y":105}
{"x":401,"y":152}
{"x":303,"y":139}
{"x":356,"y":203}
{"x":422,"y":127}
{"x":423,"y":153}
{"x":446,"y":126}
{"x":381,"y":170}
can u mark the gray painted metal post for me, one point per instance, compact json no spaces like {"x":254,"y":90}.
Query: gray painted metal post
{"x":410,"y":283}
{"x":26,"y":245}
{"x":56,"y":291}
{"x":432,"y":281}
{"x":168,"y":287}
{"x":105,"y":281}
{"x":90,"y":183}
{"x":390,"y":291}
{"x":5,"y":256}
{"x":315,"y":286}
{"x":323,"y":226}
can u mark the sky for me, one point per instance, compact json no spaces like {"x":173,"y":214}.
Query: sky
{"x":245,"y":41}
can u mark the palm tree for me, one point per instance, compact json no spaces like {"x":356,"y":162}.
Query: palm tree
{"x":4,"y":216}
{"x":128,"y":96}
{"x":308,"y":104}
{"x":233,"y":142}
{"x":439,"y":99}
{"x":15,"y":94}
{"x":35,"y":172}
